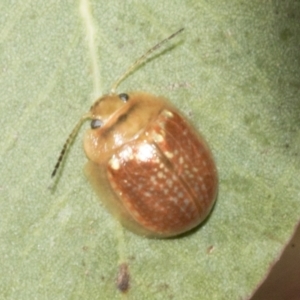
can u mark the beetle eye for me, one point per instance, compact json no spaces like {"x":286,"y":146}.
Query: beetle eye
{"x":96,"y":123}
{"x":124,"y":97}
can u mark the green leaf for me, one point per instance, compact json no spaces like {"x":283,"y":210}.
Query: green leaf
{"x":234,"y":71}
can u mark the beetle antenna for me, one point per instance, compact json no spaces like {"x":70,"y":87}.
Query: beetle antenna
{"x":68,"y":142}
{"x":142,"y":59}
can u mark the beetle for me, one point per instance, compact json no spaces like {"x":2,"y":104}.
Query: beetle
{"x":152,"y":168}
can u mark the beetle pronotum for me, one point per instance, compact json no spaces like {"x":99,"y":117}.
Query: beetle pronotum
{"x":153,"y":170}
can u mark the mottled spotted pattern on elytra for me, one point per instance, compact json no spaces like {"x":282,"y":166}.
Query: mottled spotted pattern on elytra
{"x":190,"y":157}
{"x":164,"y":184}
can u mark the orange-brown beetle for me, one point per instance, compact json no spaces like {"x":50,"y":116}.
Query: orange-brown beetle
{"x":155,"y":173}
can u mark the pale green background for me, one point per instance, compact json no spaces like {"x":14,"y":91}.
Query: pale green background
{"x":234,"y":71}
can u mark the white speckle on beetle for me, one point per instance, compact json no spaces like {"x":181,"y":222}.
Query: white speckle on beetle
{"x":174,"y":199}
{"x":147,"y":194}
{"x":114,"y":163}
{"x":169,"y":183}
{"x":186,"y":202}
{"x":126,"y":154}
{"x":160,"y":174}
{"x":153,"y":179}
{"x":166,"y":191}
{"x":161,"y":166}
{"x":158,"y":138}
{"x":169,"y":154}
{"x":168,"y":114}
{"x":144,"y":153}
